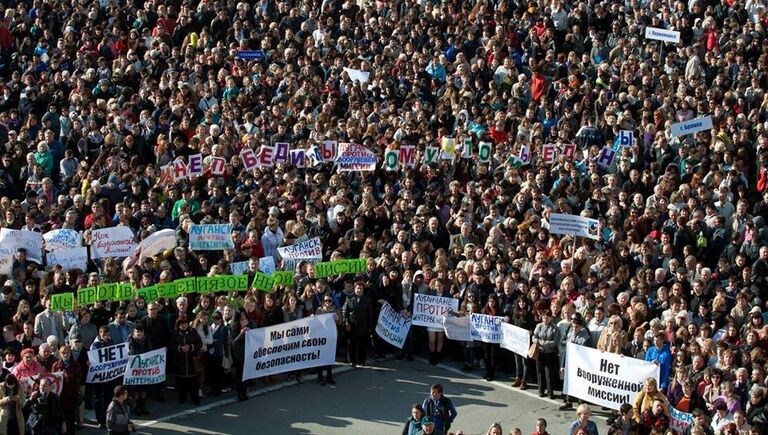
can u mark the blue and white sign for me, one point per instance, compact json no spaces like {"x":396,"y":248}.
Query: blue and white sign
{"x":662,"y":34}
{"x":624,"y":139}
{"x":485,"y":328}
{"x":692,"y":126}
{"x":256,"y":55}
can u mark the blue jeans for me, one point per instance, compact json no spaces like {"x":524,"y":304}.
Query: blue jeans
{"x":521,"y":367}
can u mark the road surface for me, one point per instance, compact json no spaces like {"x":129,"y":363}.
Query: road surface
{"x":371,"y":401}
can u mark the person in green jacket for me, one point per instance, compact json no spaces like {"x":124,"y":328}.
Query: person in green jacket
{"x":186,"y":198}
{"x":44,"y":158}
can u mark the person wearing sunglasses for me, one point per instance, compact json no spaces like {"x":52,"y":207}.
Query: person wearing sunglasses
{"x":325,"y":374}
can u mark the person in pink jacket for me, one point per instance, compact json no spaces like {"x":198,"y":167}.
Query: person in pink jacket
{"x":28,"y":366}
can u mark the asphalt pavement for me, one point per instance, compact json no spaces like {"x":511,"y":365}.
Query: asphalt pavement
{"x":369,"y":400}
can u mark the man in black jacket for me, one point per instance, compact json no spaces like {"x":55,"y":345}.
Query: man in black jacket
{"x":46,"y":415}
{"x":357,"y":318}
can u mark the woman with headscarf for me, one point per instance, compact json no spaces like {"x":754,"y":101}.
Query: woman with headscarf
{"x":28,"y":366}
{"x":69,"y":391}
{"x":185,"y":343}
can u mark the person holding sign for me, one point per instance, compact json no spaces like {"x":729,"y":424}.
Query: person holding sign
{"x":45,"y":413}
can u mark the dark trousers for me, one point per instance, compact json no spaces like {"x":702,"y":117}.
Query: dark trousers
{"x":325,"y":373}
{"x":102,"y":396}
{"x":357,"y":348}
{"x":240,"y":386}
{"x":215,"y":374}
{"x":69,"y":418}
{"x":489,"y":352}
{"x":187,"y":386}
{"x":547,"y":369}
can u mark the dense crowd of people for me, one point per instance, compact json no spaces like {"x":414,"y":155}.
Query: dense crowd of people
{"x":99,"y":97}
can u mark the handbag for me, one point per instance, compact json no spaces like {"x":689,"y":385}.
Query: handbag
{"x":226,"y":362}
{"x":533,"y":351}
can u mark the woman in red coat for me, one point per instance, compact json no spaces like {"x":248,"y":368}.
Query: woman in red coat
{"x":72,"y":375}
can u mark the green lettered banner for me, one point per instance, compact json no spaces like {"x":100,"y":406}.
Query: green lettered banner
{"x":148,"y":293}
{"x":338,"y":267}
{"x":283,"y":277}
{"x":186,"y":285}
{"x":63,"y":302}
{"x":123,"y":292}
{"x":263,"y":282}
{"x":86,"y":296}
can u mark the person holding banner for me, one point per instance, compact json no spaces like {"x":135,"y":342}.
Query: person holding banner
{"x":238,"y":354}
{"x":522,"y":317}
{"x":490,"y":350}
{"x":546,"y":337}
{"x":44,"y":407}
{"x":645,"y":399}
{"x":325,"y":374}
{"x":436,"y":335}
{"x":138,"y":344}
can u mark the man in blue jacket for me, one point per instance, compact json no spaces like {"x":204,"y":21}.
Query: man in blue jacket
{"x":660,"y":355}
{"x":440,"y":408}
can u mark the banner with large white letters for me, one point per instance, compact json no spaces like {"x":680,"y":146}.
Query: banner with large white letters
{"x":602,"y":378}
{"x":430,"y":310}
{"x":485,"y":328}
{"x":297,"y":345}
{"x":392,"y":326}
{"x":515,"y":339}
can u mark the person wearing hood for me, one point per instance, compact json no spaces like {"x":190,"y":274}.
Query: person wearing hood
{"x":185,"y":344}
{"x":660,"y":355}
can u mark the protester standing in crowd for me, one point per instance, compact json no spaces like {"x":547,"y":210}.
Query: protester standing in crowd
{"x":11,"y":401}
{"x":357,"y":319}
{"x":70,"y":391}
{"x":238,"y":354}
{"x":547,"y":337}
{"x":185,"y":345}
{"x":45,"y":413}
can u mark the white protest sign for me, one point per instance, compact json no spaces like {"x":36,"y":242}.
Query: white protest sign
{"x":457,"y":328}
{"x":309,"y":250}
{"x":29,"y":383}
{"x":146,"y":369}
{"x":238,"y":268}
{"x":603,"y":378}
{"x":6,"y":261}
{"x":679,"y":420}
{"x":62,"y":239}
{"x":301,"y":344}
{"x":112,"y":242}
{"x":157,"y":242}
{"x":662,"y":34}
{"x":485,"y":328}
{"x":515,"y":339}
{"x":211,"y":237}
{"x":32,"y":241}
{"x":357,"y":75}
{"x":574,"y":225}
{"x":267,"y":265}
{"x":107,"y":363}
{"x":691,"y":126}
{"x":429,"y":310}
{"x":392,"y":327}
{"x":68,"y":259}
